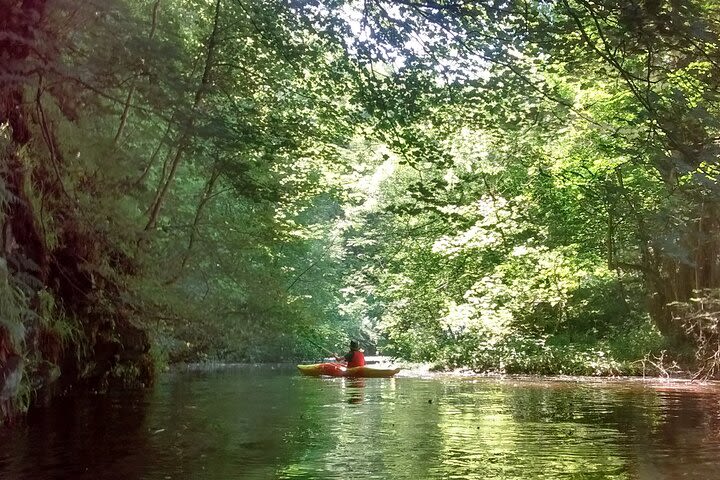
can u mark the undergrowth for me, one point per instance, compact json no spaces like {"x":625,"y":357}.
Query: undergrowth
{"x":629,"y":353}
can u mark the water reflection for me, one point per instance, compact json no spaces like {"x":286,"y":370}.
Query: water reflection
{"x":355,"y":390}
{"x":266,"y":424}
{"x":80,"y":437}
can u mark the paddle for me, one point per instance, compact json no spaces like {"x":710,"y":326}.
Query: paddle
{"x":332,"y":354}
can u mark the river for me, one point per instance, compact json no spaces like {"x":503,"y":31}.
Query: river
{"x":270,"y":423}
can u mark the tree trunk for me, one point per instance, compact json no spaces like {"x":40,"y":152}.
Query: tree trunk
{"x":206,"y":196}
{"x":153,"y":157}
{"x":131,"y":91}
{"x":186,"y":136}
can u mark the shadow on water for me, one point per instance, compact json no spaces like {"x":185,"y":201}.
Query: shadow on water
{"x":266,"y":423}
{"x":79,"y":437}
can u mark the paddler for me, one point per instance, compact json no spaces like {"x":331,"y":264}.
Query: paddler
{"x":355,"y":357}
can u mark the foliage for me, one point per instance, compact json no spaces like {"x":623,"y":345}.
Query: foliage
{"x":700,"y":317}
{"x":542,"y":185}
{"x":515,"y":187}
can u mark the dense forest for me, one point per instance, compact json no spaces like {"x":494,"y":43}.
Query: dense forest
{"x":509,"y":186}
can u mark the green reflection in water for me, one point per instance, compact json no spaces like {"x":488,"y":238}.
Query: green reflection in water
{"x":268,"y":424}
{"x":407,"y":428}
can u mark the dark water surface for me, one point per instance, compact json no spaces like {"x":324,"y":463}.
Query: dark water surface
{"x":263,"y":423}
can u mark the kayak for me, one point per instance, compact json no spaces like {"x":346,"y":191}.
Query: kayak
{"x":337,"y":370}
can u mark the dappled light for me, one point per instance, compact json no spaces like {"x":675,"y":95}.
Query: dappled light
{"x":481,"y":188}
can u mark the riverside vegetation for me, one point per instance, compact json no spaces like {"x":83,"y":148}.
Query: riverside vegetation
{"x":511,"y":186}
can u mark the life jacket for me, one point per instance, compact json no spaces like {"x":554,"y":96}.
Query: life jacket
{"x":357,"y":360}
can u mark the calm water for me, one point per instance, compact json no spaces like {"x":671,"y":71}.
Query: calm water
{"x":262,"y":423}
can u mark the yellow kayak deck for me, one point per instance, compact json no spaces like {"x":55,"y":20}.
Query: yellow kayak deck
{"x":337,"y":370}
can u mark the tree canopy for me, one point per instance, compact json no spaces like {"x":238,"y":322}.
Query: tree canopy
{"x":507,"y":185}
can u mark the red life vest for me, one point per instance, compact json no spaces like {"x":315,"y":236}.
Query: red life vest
{"x":357,"y":360}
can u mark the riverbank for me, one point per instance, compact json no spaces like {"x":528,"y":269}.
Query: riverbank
{"x":600,"y":368}
{"x":429,"y":371}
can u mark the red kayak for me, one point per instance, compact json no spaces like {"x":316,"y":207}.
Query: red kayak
{"x":337,"y":370}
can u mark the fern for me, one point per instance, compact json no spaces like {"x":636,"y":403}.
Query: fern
{"x":14,"y":306}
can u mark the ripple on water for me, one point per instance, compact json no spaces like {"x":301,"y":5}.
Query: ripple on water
{"x":256,"y":424}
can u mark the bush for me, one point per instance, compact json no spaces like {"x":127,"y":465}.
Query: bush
{"x":620,"y":353}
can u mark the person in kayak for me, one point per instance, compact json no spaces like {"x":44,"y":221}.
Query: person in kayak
{"x":355,"y":357}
